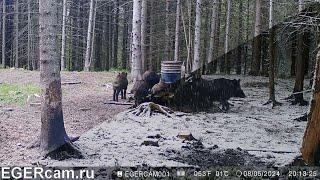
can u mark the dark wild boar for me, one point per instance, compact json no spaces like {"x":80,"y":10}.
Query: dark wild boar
{"x":151,"y":77}
{"x":120,"y":86}
{"x":223,"y":89}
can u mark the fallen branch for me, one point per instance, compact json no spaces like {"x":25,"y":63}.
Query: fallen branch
{"x":263,"y":150}
{"x":34,"y":104}
{"x":70,"y":83}
{"x":119,"y":103}
{"x":302,"y":118}
{"x":295,"y":93}
{"x":308,"y":90}
{"x":85,"y":109}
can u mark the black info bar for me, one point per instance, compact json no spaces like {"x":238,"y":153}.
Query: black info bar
{"x":146,"y":172}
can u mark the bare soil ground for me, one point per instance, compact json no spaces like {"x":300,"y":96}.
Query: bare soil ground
{"x":83,"y":105}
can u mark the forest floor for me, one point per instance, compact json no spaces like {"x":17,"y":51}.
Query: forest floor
{"x":83,"y":106}
{"x":249,"y":134}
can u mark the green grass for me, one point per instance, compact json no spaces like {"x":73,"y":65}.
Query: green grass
{"x":13,"y":94}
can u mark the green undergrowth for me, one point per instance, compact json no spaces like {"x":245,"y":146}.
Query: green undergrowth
{"x":14,"y":94}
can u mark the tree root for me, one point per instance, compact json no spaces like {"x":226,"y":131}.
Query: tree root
{"x":148,"y":108}
{"x":66,"y":151}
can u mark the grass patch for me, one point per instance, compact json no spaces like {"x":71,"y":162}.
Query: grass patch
{"x":13,"y":94}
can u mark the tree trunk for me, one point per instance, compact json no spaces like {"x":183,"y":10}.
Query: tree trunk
{"x":300,"y":70}
{"x":217,"y":37}
{"x":272,"y":97}
{"x":240,"y":39}
{"x":301,"y":60}
{"x":311,"y":140}
{"x":197,"y":38}
{"x":93,"y":36}
{"x":89,"y":37}
{"x":3,"y":61}
{"x":63,"y":40}
{"x":53,"y":134}
{"x":167,"y":33}
{"x":29,"y":57}
{"x":151,"y":62}
{"x":212,"y":35}
{"x":256,"y":62}
{"x":226,"y":44}
{"x":189,"y":60}
{"x":125,"y":37}
{"x":16,"y":28}
{"x":177,"y":33}
{"x":115,"y":34}
{"x":110,"y":45}
{"x":247,"y":38}
{"x":136,"y":41}
{"x":143,"y":34}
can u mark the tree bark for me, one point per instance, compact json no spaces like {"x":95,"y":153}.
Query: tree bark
{"x":16,"y":29}
{"x":301,"y":60}
{"x":3,"y":61}
{"x":89,"y":37}
{"x":53,"y":134}
{"x":217,"y":38}
{"x":256,"y":62}
{"x":197,"y":38}
{"x":272,"y":96}
{"x":311,"y":140}
{"x":189,"y":60}
{"x":136,"y":41}
{"x":151,"y":62}
{"x":167,"y":33}
{"x":115,"y":34}
{"x":63,"y":38}
{"x":93,"y":36}
{"x":240,"y":39}
{"x":29,"y":57}
{"x":143,"y":34}
{"x":177,"y":33}
{"x":226,"y":44}
{"x":212,"y":30}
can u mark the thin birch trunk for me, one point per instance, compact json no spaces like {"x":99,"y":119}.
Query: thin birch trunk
{"x":89,"y":37}
{"x":29,"y":58}
{"x":167,"y":33}
{"x":136,"y":41}
{"x":63,"y":40}
{"x":3,"y":61}
{"x":16,"y":28}
{"x":226,"y":44}
{"x":212,"y":31}
{"x":240,"y":39}
{"x":151,"y":41}
{"x":189,"y":60}
{"x":197,"y":37}
{"x":92,"y":54}
{"x":176,"y":45}
{"x":143,"y":34}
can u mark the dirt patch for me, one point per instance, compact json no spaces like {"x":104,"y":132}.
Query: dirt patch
{"x":83,"y":106}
